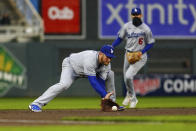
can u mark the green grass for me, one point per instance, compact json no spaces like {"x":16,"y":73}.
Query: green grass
{"x":57,"y":103}
{"x":93,"y":103}
{"x":115,"y":127}
{"x":165,"y":102}
{"x":142,"y":119}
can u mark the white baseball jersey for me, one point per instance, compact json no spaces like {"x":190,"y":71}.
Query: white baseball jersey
{"x":136,"y":37}
{"x":86,"y":63}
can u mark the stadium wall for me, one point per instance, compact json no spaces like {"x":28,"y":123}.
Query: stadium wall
{"x":42,"y":63}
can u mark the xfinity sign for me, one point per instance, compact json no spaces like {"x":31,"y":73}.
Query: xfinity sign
{"x":167,"y":19}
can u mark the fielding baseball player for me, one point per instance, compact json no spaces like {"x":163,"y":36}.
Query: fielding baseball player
{"x":95,"y":65}
{"x":139,"y":40}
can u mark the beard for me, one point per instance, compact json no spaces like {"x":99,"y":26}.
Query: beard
{"x":137,"y":21}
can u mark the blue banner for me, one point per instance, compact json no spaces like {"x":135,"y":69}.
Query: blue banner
{"x":165,"y":85}
{"x":166,"y":18}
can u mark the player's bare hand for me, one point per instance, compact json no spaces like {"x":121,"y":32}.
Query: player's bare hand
{"x":108,"y":95}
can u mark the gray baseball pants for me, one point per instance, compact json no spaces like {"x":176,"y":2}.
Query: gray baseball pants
{"x":129,"y":71}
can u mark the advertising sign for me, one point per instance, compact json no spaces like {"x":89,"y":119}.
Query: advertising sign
{"x":62,"y":17}
{"x":166,"y":18}
{"x":165,"y":85}
{"x":12,"y":72}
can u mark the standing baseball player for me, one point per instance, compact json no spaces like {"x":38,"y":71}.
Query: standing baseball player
{"x":139,"y":40}
{"x":95,"y":65}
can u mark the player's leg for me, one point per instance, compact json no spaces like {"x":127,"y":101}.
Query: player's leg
{"x":110,"y":85}
{"x":126,"y":100}
{"x":128,"y":76}
{"x":66,"y":79}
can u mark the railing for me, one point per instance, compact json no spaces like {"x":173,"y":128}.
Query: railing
{"x":31,"y":15}
{"x":17,"y":33}
{"x":34,"y":27}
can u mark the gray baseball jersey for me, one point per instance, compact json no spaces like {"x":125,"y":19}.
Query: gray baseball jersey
{"x":86,"y":63}
{"x":136,"y":37}
{"x":79,"y":65}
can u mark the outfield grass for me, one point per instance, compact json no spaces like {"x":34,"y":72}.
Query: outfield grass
{"x":140,"y":119}
{"x":115,"y":127}
{"x":147,"y":123}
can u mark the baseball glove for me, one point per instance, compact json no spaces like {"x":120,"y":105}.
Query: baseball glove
{"x":133,"y":57}
{"x":107,"y":104}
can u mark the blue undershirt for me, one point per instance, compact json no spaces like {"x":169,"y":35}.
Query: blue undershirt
{"x":119,"y":40}
{"x":98,"y":84}
{"x":147,"y":47}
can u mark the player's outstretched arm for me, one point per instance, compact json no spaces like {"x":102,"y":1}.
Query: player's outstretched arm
{"x":99,"y":88}
{"x":117,"y":42}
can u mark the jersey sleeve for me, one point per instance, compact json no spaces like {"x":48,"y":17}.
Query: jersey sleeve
{"x":122,"y":32}
{"x":149,"y":37}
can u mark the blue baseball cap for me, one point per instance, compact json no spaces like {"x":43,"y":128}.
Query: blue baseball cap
{"x":108,"y":50}
{"x":136,"y":11}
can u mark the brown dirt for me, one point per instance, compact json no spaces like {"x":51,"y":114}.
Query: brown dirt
{"x":25,"y":117}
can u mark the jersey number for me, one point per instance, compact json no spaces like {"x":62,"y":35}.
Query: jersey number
{"x":140,"y":41}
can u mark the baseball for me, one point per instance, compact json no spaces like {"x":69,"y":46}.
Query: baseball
{"x":114,"y":108}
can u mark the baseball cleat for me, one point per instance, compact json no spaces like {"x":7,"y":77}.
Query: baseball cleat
{"x":121,"y":108}
{"x":126,"y":101}
{"x":35,"y":108}
{"x":133,"y":103}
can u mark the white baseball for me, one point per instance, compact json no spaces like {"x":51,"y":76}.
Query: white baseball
{"x":114,"y":108}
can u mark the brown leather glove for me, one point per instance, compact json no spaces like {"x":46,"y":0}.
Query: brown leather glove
{"x":107,"y":104}
{"x":133,"y":57}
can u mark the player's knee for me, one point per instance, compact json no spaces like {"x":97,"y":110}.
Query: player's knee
{"x":111,"y":74}
{"x":65,"y":85}
{"x":128,"y":76}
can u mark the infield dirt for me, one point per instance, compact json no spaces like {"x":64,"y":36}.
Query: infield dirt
{"x":26,"y":117}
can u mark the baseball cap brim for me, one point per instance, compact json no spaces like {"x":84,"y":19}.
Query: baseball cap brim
{"x":109,"y":55}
